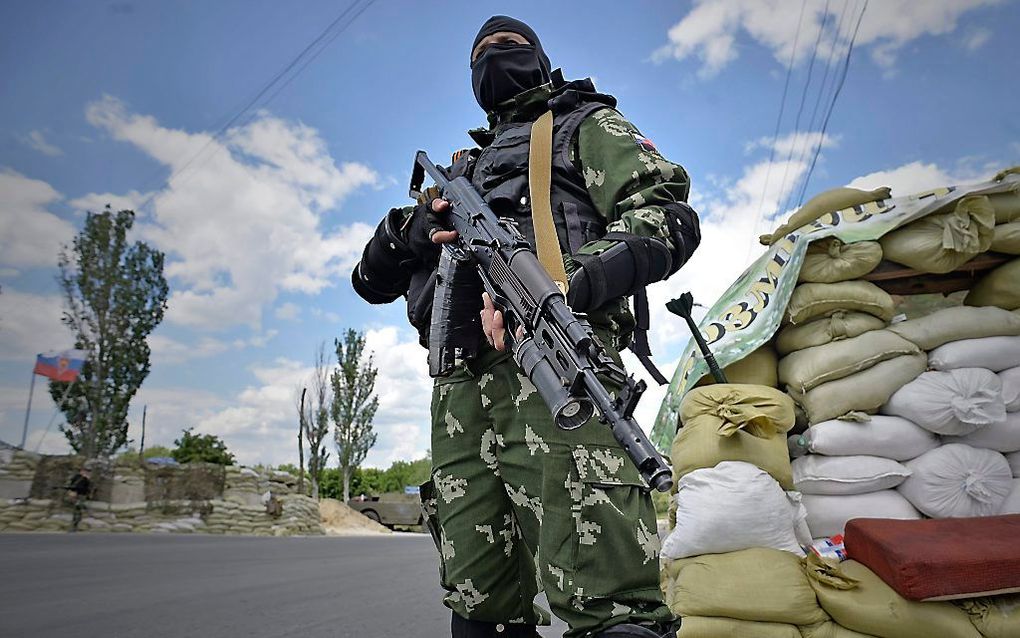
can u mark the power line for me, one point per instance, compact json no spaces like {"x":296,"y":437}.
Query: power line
{"x":835,"y":95}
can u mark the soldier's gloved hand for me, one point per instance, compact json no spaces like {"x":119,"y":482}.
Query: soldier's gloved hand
{"x":428,"y":231}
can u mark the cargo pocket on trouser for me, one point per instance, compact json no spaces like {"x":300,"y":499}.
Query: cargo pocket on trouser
{"x":430,"y":518}
{"x":617,"y":538}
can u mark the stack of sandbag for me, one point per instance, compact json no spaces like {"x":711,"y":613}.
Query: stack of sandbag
{"x":737,"y":528}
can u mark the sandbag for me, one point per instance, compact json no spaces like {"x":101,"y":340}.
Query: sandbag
{"x":858,"y":599}
{"x":1013,"y":458}
{"x":1006,"y":205}
{"x":830,"y":260}
{"x":811,"y":301}
{"x":942,"y":242}
{"x":756,"y":584}
{"x":1012,"y":503}
{"x":839,"y":325}
{"x":1000,"y":287}
{"x":809,"y":368}
{"x":730,"y":507}
{"x":830,"y":629}
{"x":1006,"y":238}
{"x":957,"y":480}
{"x":1003,"y":436}
{"x":706,"y":627}
{"x":757,"y":368}
{"x":957,"y":323}
{"x":733,"y":422}
{"x":1010,"y":379}
{"x":994,"y":616}
{"x":828,"y":515}
{"x":890,"y":436}
{"x":845,"y":475}
{"x":992,"y":353}
{"x":955,"y":402}
{"x":865,"y":391}
{"x":829,"y":201}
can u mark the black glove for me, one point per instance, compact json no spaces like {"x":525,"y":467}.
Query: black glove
{"x":621,"y":270}
{"x":424,"y":223}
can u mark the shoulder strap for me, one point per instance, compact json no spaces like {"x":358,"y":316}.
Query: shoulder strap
{"x":547,"y":245}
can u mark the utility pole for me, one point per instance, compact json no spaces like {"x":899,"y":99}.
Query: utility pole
{"x":141,"y":446}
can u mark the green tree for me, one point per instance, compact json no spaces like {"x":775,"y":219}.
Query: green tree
{"x":353,"y":406}
{"x":201,"y":448}
{"x":114,"y":296}
{"x":314,"y":415}
{"x":130,"y":455}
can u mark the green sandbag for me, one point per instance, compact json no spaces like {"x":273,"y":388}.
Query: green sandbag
{"x":942,"y":242}
{"x":859,"y":600}
{"x":841,"y":324}
{"x":734,"y":422}
{"x":1007,"y":204}
{"x":758,"y":584}
{"x":807,"y":369}
{"x":994,"y":616}
{"x":1006,"y":238}
{"x":702,"y":627}
{"x":830,"y":260}
{"x":1001,"y":288}
{"x":831,"y":629}
{"x":956,"y":324}
{"x":811,"y":301}
{"x":865,"y":391}
{"x":829,"y":201}
{"x":757,"y":368}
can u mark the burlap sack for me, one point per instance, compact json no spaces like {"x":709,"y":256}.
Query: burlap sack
{"x":846,"y":475}
{"x":831,"y":630}
{"x":956,"y":481}
{"x":839,"y":325}
{"x":956,"y":324}
{"x":858,"y":599}
{"x":942,"y":242}
{"x":809,"y":368}
{"x":811,"y":301}
{"x":757,"y":584}
{"x":1006,"y":205}
{"x":952,"y":403}
{"x":1006,"y":238}
{"x":994,"y":616}
{"x":890,"y":436}
{"x":864,"y":391}
{"x":827,"y":515}
{"x":829,"y":201}
{"x":829,"y":260}
{"x":757,"y":368}
{"x":1001,"y":288}
{"x":733,"y":422}
{"x":708,"y":627}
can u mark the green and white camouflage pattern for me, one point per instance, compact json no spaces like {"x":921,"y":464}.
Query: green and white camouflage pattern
{"x":517,"y":506}
{"x":749,"y":313}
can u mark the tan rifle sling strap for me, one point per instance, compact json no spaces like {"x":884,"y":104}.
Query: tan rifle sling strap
{"x":547,"y":244}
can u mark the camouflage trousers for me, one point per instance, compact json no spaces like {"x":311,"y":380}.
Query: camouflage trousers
{"x":517,"y":505}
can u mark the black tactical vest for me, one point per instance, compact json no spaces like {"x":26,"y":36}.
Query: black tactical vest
{"x":500,"y":174}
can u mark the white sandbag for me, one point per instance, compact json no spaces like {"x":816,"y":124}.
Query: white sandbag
{"x":953,"y":403}
{"x":828,"y":515}
{"x":957,"y":323}
{"x":730,"y":507}
{"x":1002,"y":437}
{"x":890,"y":436}
{"x":993,"y":353}
{"x":845,"y":475}
{"x":1014,"y":463}
{"x":1012,"y":503}
{"x":956,"y":481}
{"x":1011,"y":388}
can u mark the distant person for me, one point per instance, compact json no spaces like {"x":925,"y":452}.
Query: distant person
{"x":515,"y":503}
{"x":77,"y":493}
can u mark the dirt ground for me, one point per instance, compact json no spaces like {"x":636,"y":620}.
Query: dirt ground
{"x":338,"y":520}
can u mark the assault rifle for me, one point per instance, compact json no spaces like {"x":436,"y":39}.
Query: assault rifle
{"x":558,"y":351}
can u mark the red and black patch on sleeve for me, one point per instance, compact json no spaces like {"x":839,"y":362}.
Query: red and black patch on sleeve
{"x":644,"y":143}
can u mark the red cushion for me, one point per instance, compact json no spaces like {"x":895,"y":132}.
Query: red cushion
{"x":939,"y":558}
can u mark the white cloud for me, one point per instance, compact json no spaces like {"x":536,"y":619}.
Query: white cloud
{"x":166,"y":350}
{"x":37,"y":141}
{"x":96,"y":202}
{"x":905,"y":180}
{"x":246,"y":220}
{"x":30,"y":235}
{"x":288,"y":311}
{"x":30,"y":324}
{"x":710,"y":31}
{"x":976,"y":38}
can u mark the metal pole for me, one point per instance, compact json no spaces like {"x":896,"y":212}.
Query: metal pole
{"x":28,"y":409}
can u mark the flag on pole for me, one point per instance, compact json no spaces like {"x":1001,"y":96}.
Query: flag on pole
{"x":60,"y":366}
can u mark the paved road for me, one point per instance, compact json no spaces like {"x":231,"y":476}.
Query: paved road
{"x":120,"y":586}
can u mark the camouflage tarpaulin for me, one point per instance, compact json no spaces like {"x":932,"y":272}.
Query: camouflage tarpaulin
{"x":749,"y":313}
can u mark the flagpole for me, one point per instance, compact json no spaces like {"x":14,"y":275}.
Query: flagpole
{"x":28,"y":409}
{"x":56,"y":411}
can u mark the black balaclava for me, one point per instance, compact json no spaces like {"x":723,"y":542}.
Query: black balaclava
{"x":504,"y":70}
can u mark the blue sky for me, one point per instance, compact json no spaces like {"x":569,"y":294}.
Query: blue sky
{"x":103,"y":102}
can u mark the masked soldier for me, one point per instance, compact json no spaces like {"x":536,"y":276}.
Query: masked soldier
{"x":517,"y":505}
